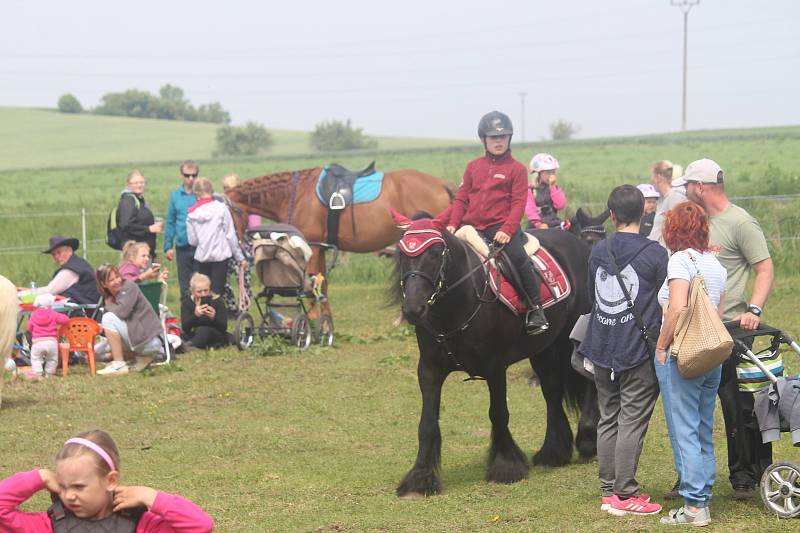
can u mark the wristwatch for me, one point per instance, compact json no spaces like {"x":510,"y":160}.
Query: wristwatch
{"x":756,"y":310}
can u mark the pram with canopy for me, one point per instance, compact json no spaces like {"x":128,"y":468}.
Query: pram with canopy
{"x":780,"y":484}
{"x":280,"y":255}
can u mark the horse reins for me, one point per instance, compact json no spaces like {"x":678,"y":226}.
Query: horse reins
{"x":440,"y":289}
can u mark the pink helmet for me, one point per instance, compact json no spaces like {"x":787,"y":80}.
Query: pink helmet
{"x":648,"y":191}
{"x":542,"y":162}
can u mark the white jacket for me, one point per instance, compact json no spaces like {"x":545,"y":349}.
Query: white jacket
{"x":209,"y":227}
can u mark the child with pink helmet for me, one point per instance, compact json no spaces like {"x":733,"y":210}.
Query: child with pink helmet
{"x":545,"y":198}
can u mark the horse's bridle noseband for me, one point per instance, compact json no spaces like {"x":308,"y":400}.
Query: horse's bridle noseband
{"x":441,"y":289}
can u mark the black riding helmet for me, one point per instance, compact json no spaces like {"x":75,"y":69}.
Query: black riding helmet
{"x":495,"y":124}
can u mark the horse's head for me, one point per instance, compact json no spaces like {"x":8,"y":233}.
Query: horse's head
{"x":589,"y":229}
{"x":421,"y":261}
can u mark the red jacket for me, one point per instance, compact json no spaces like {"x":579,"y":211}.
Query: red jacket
{"x":493,"y":191}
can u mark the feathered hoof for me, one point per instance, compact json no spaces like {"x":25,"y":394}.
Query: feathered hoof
{"x":546,"y":458}
{"x":417,"y":484}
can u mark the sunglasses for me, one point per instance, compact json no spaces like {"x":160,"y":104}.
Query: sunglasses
{"x":190,"y":175}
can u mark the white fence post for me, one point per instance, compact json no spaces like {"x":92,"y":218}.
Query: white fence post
{"x":83,"y":233}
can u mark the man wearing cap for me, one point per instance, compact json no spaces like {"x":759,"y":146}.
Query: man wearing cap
{"x":665,"y":178}
{"x":175,"y":233}
{"x":737,"y":240}
{"x":74,"y":277}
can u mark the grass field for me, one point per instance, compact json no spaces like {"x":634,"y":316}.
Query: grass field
{"x":317,"y":441}
{"x":35,"y":138}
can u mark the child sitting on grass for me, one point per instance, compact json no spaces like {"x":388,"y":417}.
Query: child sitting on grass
{"x":86,"y":492}
{"x":43,"y":325}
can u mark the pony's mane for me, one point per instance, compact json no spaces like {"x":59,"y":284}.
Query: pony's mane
{"x":275,"y":184}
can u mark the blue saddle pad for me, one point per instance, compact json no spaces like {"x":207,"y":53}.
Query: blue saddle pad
{"x":365,"y":189}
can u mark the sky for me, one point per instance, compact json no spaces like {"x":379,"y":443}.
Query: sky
{"x":418,"y":68}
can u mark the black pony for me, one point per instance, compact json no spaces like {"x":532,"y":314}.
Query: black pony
{"x":461,"y":327}
{"x":589,"y":229}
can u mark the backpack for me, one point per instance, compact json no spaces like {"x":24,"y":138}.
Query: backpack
{"x":113,"y":237}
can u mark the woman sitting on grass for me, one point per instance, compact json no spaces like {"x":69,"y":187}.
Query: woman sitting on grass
{"x":129,"y":322}
{"x":136,"y":265}
{"x":204,"y":318}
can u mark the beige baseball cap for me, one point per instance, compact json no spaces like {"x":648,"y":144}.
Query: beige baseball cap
{"x":700,"y":171}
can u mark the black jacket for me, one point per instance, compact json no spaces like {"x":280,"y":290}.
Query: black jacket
{"x":85,"y":291}
{"x":133,"y":222}
{"x":190,"y":321}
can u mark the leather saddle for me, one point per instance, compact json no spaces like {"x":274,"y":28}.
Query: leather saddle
{"x":336,"y":187}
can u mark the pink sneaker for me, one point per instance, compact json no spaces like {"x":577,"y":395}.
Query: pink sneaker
{"x":632,"y":506}
{"x":606,"y":501}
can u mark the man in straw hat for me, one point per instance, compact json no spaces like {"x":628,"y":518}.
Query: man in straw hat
{"x":74,"y":277}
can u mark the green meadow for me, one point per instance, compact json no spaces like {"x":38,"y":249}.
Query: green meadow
{"x":317,"y":441}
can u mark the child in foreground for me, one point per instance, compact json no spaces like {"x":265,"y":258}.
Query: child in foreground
{"x":87,"y":496}
{"x":43,"y":325}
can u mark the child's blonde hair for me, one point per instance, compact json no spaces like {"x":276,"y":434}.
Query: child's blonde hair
{"x":203,"y":187}
{"x":101,"y":439}
{"x":198,"y":278}
{"x":230,"y":180}
{"x":131,"y":249}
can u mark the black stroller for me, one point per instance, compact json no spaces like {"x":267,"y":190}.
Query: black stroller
{"x":780,"y":484}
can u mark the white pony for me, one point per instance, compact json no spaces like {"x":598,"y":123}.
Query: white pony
{"x":8,"y":323}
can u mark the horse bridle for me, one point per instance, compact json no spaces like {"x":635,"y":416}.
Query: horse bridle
{"x":441,"y":289}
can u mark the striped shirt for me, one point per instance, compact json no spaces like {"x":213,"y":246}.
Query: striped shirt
{"x":680,"y":266}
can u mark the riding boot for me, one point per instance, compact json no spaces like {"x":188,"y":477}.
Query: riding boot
{"x":535,"y":320}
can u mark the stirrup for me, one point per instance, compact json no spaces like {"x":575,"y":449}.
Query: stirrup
{"x":534,"y":326}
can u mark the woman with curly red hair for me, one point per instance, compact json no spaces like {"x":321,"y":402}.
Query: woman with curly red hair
{"x":689,"y":403}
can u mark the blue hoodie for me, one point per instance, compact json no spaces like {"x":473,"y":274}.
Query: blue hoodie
{"x":613,"y":339}
{"x":175,"y":228}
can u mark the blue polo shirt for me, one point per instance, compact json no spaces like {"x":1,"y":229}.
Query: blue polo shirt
{"x":175,"y":232}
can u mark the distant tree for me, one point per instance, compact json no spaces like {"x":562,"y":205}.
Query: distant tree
{"x":69,"y":104}
{"x":213,"y":112}
{"x":250,"y":139}
{"x":563,"y":130}
{"x":337,"y":135}
{"x":170,"y":104}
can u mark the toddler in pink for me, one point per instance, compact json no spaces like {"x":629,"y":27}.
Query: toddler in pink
{"x":43,"y":325}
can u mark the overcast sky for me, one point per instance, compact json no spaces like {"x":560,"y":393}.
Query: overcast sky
{"x":418,"y":68}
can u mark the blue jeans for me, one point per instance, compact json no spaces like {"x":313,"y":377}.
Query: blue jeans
{"x":689,"y":410}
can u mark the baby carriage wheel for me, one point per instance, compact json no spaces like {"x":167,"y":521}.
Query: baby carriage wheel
{"x":324,"y":331}
{"x":301,"y":332}
{"x":780,"y":489}
{"x":244,"y":331}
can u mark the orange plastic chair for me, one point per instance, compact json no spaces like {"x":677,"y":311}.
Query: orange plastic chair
{"x":79,"y":333}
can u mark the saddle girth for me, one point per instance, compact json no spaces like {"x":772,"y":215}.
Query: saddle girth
{"x":336,"y":190}
{"x":64,"y":521}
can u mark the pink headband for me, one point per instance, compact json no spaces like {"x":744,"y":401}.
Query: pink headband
{"x":95,"y":448}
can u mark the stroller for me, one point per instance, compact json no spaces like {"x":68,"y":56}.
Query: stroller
{"x":780,"y":484}
{"x":280,"y":254}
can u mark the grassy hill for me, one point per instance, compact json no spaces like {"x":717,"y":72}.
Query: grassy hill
{"x":35,"y":138}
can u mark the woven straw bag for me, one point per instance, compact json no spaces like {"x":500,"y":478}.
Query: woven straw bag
{"x":701,"y":341}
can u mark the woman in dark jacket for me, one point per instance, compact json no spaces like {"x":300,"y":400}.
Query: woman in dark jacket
{"x":135,"y":220}
{"x":204,"y":318}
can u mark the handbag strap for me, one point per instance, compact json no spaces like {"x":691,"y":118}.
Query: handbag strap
{"x":631,"y":306}
{"x":697,"y":270}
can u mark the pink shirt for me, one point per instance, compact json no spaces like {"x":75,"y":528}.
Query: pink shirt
{"x":44,"y":322}
{"x":169,"y":514}
{"x":557,"y":197}
{"x":129,"y":272}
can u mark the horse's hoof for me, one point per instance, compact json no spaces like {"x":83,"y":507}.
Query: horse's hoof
{"x":412,"y":496}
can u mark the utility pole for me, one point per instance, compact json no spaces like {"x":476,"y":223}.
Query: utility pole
{"x":685,"y":6}
{"x":522,"y":113}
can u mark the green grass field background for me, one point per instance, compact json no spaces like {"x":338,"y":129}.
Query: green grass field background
{"x":317,"y":441}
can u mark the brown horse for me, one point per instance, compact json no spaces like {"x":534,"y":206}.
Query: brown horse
{"x":290,"y":197}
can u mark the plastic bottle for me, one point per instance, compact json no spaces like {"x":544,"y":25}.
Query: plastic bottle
{"x":33,"y":285}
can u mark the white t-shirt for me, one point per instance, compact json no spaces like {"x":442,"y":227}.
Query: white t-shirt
{"x":680,"y":266}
